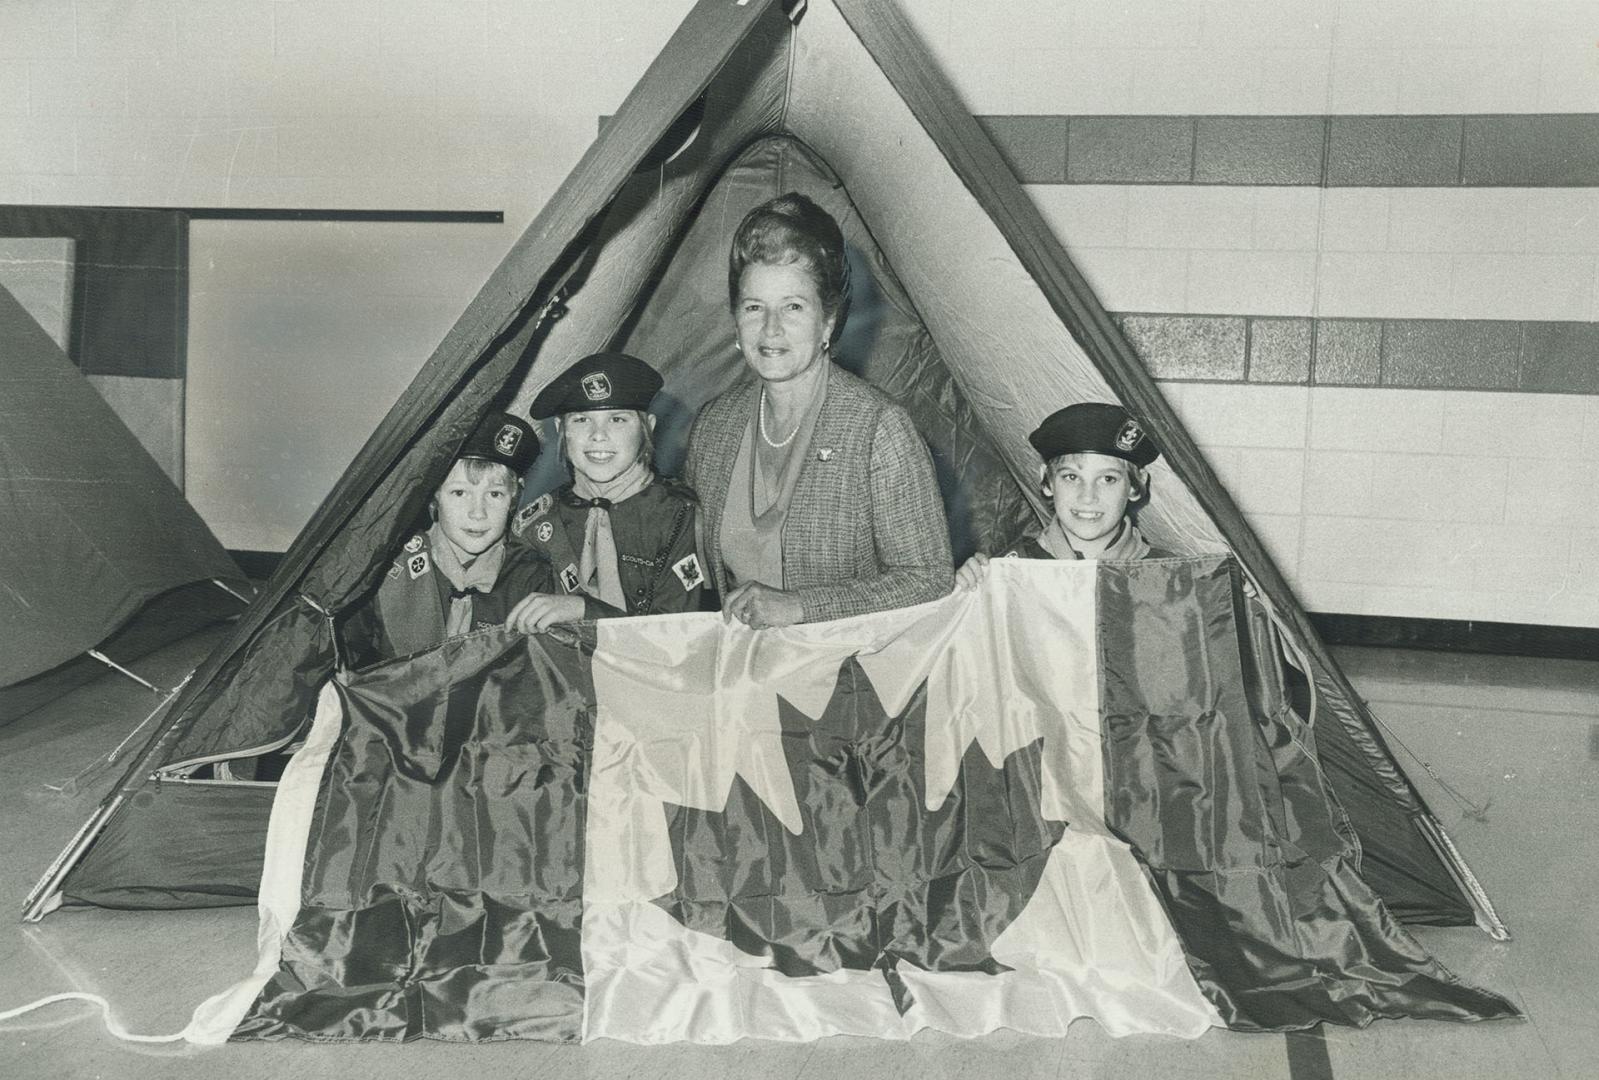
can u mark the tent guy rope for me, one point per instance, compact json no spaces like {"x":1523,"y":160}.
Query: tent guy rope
{"x":112,"y":1024}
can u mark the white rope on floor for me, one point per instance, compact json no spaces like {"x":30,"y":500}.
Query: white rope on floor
{"x":111,"y":1023}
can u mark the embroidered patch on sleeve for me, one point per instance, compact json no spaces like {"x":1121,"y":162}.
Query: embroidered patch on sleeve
{"x":532,"y":512}
{"x":688,"y":572}
{"x":569,"y":580}
{"x":417,"y":564}
{"x":414,"y":545}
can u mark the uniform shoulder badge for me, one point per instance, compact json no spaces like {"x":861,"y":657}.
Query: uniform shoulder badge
{"x":544,"y":530}
{"x":414,"y":545}
{"x":417,"y":564}
{"x":533,"y":510}
{"x":688,"y":572}
{"x":569,"y":580}
{"x":394,"y":571}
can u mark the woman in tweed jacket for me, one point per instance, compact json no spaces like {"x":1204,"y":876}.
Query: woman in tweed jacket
{"x":817,"y":495}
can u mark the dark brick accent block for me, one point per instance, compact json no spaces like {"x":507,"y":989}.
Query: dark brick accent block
{"x":1526,"y":150}
{"x":1562,"y":357}
{"x":1531,"y":151}
{"x":1348,"y":352}
{"x":1279,"y":350}
{"x":1130,"y":150}
{"x":1033,"y":146}
{"x":1208,"y":347}
{"x":1443,"y":354}
{"x":1386,"y":151}
{"x":1461,"y":354}
{"x":1283,"y":150}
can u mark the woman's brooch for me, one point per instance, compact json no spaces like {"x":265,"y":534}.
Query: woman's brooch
{"x":825,"y":454}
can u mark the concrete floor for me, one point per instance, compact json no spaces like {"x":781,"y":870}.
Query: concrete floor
{"x":1521,"y":736}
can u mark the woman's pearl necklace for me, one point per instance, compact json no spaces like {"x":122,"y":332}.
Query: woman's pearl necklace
{"x":762,"y":424}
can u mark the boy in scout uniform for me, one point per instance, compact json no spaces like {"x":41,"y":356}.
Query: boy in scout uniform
{"x":618,"y":533}
{"x":1096,"y":458}
{"x":464,"y":572}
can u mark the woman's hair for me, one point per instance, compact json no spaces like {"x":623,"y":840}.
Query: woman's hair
{"x":646,"y":450}
{"x":793,"y":229}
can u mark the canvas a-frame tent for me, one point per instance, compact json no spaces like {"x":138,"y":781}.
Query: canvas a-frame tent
{"x":976,"y":319}
{"x":98,"y":536}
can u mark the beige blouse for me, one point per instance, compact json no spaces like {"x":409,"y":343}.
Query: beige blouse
{"x":759,"y":495}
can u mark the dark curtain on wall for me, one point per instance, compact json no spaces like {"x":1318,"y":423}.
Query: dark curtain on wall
{"x":130,"y":293}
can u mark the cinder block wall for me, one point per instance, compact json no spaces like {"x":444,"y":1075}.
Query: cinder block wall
{"x":1358,"y":243}
{"x":1357,"y":240}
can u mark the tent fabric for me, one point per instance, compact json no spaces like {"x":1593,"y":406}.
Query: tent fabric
{"x":990,"y":326}
{"x":158,"y":862}
{"x":1045,"y":799}
{"x":94,"y":529}
{"x":168,"y":618}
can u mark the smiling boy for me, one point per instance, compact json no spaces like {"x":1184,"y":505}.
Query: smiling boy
{"x":1096,"y":458}
{"x":463,"y":572}
{"x":618,"y":534}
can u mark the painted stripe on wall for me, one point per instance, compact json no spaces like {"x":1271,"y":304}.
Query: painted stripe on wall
{"x":1436,"y":354}
{"x":1554,"y":150}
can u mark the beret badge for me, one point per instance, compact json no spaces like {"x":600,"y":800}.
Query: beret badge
{"x":506,"y":438}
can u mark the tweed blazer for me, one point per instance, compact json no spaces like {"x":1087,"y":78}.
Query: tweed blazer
{"x":865,"y":530}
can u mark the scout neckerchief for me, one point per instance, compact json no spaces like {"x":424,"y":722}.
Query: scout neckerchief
{"x":597,"y":565}
{"x":466,"y":574}
{"x":1127,"y":546}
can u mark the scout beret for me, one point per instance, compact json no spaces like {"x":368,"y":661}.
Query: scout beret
{"x":1094,"y":427}
{"x":605,"y":380}
{"x":504,"y":438}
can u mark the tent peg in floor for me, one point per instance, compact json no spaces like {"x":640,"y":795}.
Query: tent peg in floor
{"x":106,"y":660}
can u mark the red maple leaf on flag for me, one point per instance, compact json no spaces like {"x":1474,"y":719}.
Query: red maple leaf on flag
{"x":873,"y":878}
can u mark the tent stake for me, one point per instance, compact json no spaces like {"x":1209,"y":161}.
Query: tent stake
{"x":70,"y":786}
{"x":106,"y":660}
{"x":236,"y":594}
